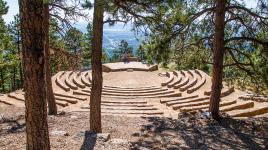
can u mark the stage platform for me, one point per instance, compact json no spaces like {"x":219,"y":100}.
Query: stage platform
{"x":121,"y":66}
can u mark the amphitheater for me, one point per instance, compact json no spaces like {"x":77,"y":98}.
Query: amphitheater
{"x":137,"y":89}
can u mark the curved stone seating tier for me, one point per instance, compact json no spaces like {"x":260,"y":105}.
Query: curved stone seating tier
{"x":255,"y":111}
{"x":77,"y":80}
{"x":4,"y":101}
{"x":198,"y":99}
{"x":69,"y":96}
{"x":141,"y":91}
{"x":177,"y":79}
{"x":225,"y":92}
{"x":84,"y":79}
{"x":236,"y":106}
{"x":141,"y":112}
{"x":127,"y":108}
{"x":199,"y":84}
{"x":127,"y":105}
{"x":69,"y":79}
{"x":133,"y":94}
{"x":177,"y":99}
{"x":183,"y":82}
{"x":20,"y":97}
{"x":203,"y":105}
{"x":69,"y":100}
{"x":191,"y":83}
{"x":169,"y":80}
{"x":132,"y":90}
{"x":59,"y":81}
{"x":254,"y":98}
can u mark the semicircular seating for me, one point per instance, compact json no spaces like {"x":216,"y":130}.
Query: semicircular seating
{"x":191,"y":82}
{"x":84,"y":78}
{"x":203,"y":77}
{"x":59,"y":81}
{"x":69,"y":80}
{"x":184,"y":81}
{"x":170,"y":78}
{"x":224,"y":92}
{"x":77,"y":80}
{"x":177,"y":79}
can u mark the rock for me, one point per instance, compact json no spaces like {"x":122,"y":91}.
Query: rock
{"x":184,"y":147}
{"x":79,"y":135}
{"x":172,"y":147}
{"x":7,"y":128}
{"x":149,"y":141}
{"x":74,"y":117}
{"x":119,"y":141}
{"x":103,"y":136}
{"x":61,"y":113}
{"x":59,"y":133}
{"x":143,"y":148}
{"x":203,"y":147}
{"x":1,"y":117}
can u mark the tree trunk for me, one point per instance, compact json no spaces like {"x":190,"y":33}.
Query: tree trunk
{"x":2,"y":80}
{"x":95,"y":97}
{"x":218,"y":54}
{"x":14,"y":78}
{"x":20,"y":64}
{"x":52,"y":107}
{"x":33,"y":50}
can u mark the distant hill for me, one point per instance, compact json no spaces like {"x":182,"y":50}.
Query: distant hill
{"x":112,"y":35}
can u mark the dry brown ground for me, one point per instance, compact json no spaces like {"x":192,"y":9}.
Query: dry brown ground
{"x":187,"y":132}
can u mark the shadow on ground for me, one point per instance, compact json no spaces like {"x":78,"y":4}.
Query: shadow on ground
{"x":196,"y":132}
{"x":89,"y":141}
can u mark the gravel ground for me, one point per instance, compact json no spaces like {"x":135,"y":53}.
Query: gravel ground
{"x":70,"y":131}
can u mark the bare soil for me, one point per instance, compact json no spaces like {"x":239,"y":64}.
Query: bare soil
{"x":189,"y":131}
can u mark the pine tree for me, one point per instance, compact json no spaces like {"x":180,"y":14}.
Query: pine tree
{"x":33,"y":50}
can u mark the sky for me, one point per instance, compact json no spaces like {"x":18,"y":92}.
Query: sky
{"x":14,"y":9}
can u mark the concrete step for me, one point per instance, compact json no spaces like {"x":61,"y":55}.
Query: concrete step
{"x":203,"y":102}
{"x":191,"y":82}
{"x":176,"y":80}
{"x":130,"y":91}
{"x":65,"y":99}
{"x":170,"y":78}
{"x":205,"y":106}
{"x":185,"y":101}
{"x":132,"y":94}
{"x":59,"y":81}
{"x":77,"y":80}
{"x":143,"y":112}
{"x":165,"y":100}
{"x":69,"y":80}
{"x":69,"y":96}
{"x":262,"y":109}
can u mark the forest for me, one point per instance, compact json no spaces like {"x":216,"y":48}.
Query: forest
{"x":224,"y":38}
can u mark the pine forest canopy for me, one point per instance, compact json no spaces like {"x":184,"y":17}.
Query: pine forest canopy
{"x":246,"y":62}
{"x":224,"y":38}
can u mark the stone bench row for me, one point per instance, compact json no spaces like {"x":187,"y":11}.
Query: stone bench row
{"x":189,"y":81}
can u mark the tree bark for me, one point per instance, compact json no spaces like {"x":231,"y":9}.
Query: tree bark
{"x":218,"y":54}
{"x":95,"y":97}
{"x":33,"y":50}
{"x":52,"y":107}
{"x":2,"y":80}
{"x":14,"y":78}
{"x":20,"y":64}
